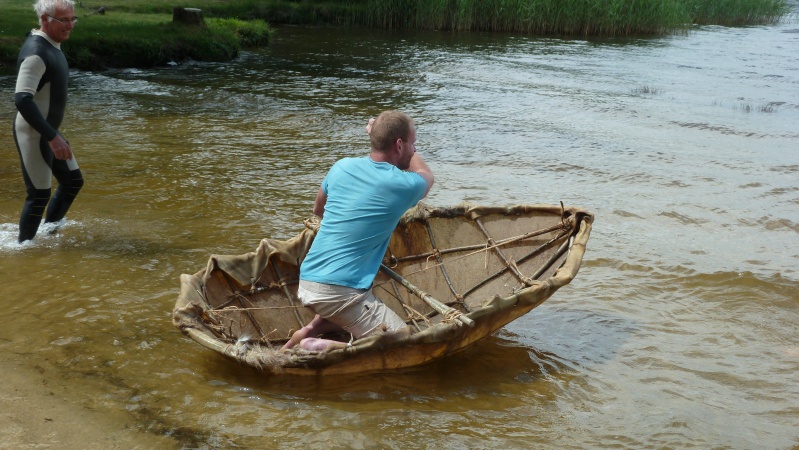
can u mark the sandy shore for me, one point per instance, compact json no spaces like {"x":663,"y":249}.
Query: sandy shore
{"x":36,"y":413}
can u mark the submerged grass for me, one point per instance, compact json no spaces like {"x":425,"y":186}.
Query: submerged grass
{"x":647,"y":90}
{"x":141,"y":33}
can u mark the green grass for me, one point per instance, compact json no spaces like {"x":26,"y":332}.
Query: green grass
{"x":140,"y":33}
{"x":127,"y":37}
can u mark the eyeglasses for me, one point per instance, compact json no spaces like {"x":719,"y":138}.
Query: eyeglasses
{"x":73,"y":20}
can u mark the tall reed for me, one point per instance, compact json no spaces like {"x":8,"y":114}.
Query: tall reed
{"x":572,"y":17}
{"x":736,"y":12}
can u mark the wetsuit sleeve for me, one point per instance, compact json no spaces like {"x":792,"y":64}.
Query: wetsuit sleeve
{"x":30,"y":73}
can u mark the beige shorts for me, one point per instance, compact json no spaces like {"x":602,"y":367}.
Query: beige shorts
{"x":356,"y":310}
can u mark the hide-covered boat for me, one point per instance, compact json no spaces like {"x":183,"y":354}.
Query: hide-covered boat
{"x":456,"y":274}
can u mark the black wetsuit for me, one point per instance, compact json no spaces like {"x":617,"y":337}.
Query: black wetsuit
{"x":41,"y":98}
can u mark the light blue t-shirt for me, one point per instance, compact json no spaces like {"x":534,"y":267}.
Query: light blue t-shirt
{"x":365,"y":200}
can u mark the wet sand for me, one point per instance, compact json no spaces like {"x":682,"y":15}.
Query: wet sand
{"x":36,"y":412}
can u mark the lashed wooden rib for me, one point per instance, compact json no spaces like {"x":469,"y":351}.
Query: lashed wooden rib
{"x":538,"y":250}
{"x":501,"y":255}
{"x":458,"y":296}
{"x":287,"y":293}
{"x":244,"y":307}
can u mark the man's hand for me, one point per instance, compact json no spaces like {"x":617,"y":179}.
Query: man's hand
{"x":419,"y":166}
{"x":60,"y":148}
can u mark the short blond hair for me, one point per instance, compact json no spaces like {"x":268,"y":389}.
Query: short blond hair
{"x":388,"y":127}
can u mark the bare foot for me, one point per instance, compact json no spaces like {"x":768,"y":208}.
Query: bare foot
{"x":317,"y":344}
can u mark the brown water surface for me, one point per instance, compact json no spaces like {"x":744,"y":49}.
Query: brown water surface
{"x":679,"y":332}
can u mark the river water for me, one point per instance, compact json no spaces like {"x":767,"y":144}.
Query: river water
{"x":679,"y":332}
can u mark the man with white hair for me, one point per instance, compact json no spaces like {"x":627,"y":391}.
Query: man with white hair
{"x":41,"y":99}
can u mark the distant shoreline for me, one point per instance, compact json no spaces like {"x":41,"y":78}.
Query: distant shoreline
{"x":141,"y":34}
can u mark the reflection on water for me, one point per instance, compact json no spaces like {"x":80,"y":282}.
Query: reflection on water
{"x":383,"y":406}
{"x":678,"y":331}
{"x":434,"y":383}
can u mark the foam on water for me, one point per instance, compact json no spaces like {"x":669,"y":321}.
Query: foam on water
{"x":47,"y":236}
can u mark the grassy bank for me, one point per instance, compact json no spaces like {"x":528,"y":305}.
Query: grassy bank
{"x":125,"y":37}
{"x":141,"y":33}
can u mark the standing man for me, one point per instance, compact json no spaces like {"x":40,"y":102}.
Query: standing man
{"x":41,"y":98}
{"x":360,"y":202}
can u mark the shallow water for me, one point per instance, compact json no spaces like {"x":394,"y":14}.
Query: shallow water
{"x":679,"y":331}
